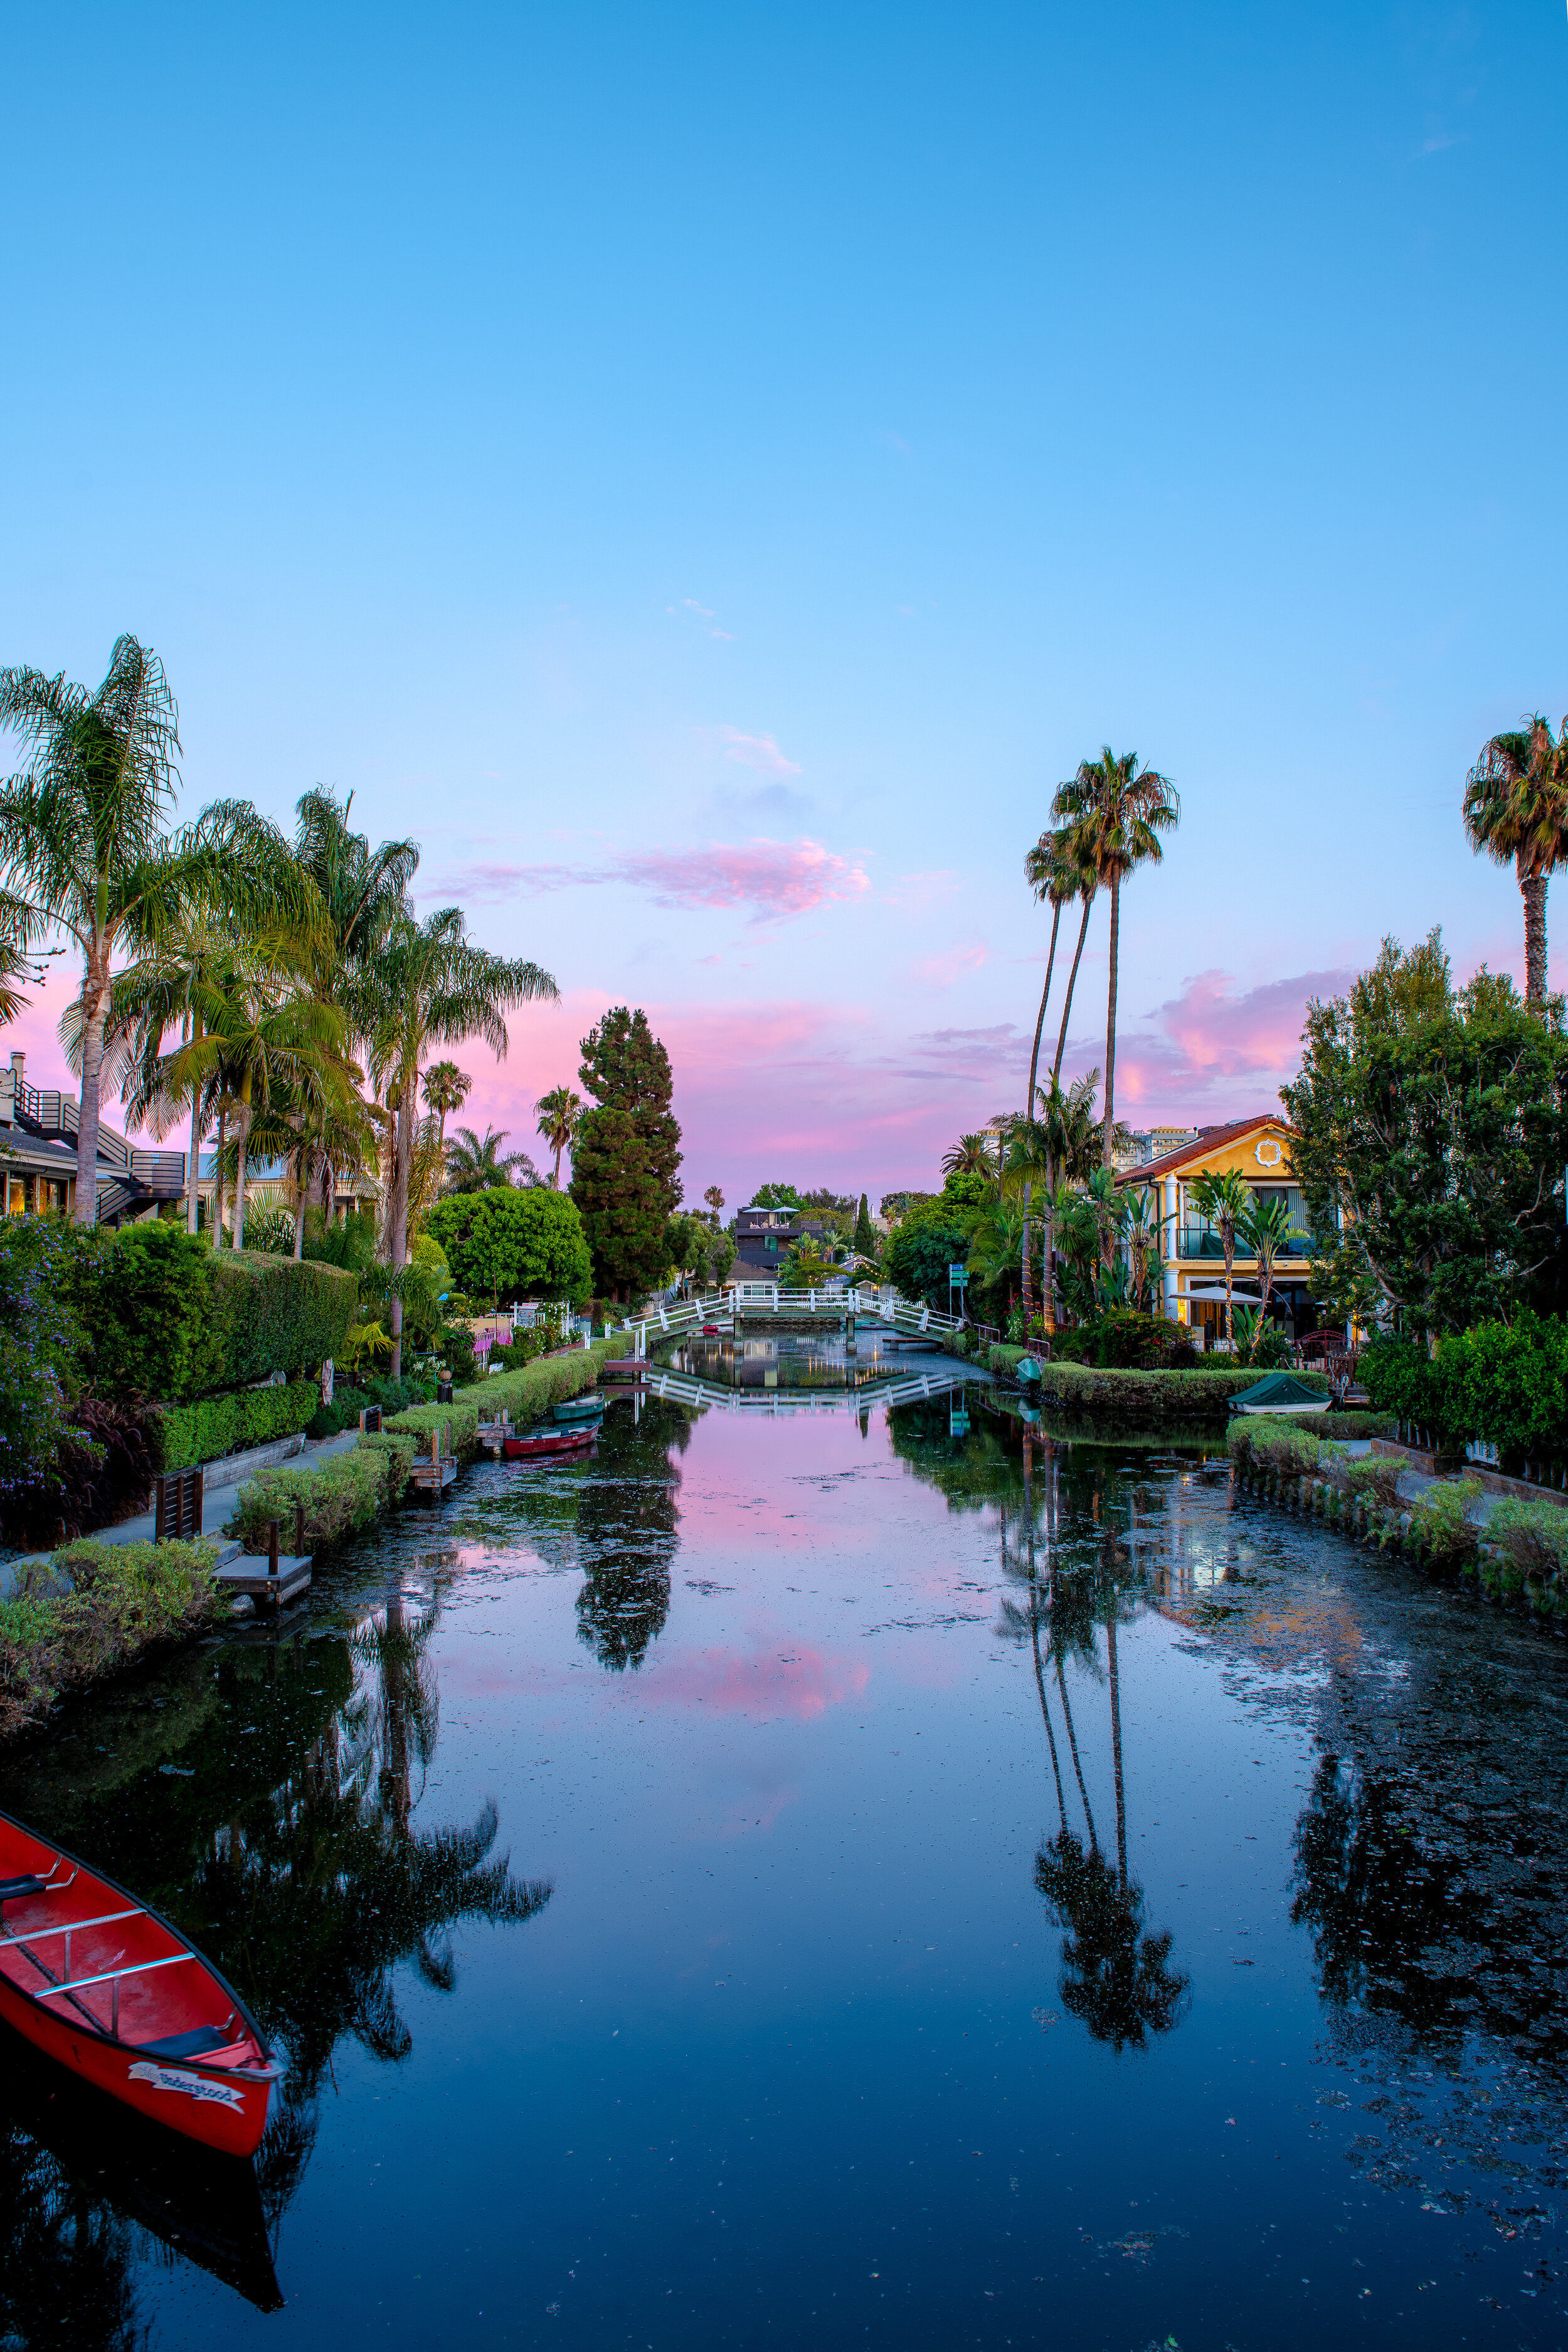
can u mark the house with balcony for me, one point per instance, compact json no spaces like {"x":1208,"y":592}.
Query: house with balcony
{"x":765,"y":1238}
{"x":39,"y":1129}
{"x":1193,"y":1255}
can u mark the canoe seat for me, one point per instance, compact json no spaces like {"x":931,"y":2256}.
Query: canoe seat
{"x":12,"y":1889}
{"x":199,"y":2045}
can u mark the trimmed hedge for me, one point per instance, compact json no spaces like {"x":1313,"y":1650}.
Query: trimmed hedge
{"x":277,"y":1314}
{"x":200,"y":1432}
{"x":523,"y":1395}
{"x":1143,"y":1398}
{"x":1504,"y":1383}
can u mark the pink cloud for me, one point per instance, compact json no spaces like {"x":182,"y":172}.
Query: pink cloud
{"x":1185,"y":1058}
{"x":775,"y":877}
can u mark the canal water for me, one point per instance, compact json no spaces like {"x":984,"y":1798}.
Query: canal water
{"x":852,"y":1877}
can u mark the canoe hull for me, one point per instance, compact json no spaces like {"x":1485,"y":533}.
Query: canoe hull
{"x":576,"y":1409}
{"x":169,"y":1993}
{"x":537,"y":1449}
{"x":222,"y":2106}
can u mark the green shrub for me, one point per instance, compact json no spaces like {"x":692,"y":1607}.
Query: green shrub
{"x":1533,"y":1535}
{"x":523,"y":1395}
{"x":1339,"y":1425}
{"x":40,"y":1346}
{"x":1440,"y":1523}
{"x":151,"y":1314}
{"x":123,"y":1599}
{"x":200,"y":1432}
{"x":1504,"y":1383}
{"x":339,"y":1496}
{"x":514,"y":1242}
{"x":1261,"y":1443}
{"x":1373,"y":1476}
{"x":277,"y":1314}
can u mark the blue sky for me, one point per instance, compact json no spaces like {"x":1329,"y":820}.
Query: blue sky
{"x":710,"y":473}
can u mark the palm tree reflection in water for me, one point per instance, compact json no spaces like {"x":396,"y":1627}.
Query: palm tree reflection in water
{"x":1116,"y":1975}
{"x":321,"y":1890}
{"x":626,"y":1531}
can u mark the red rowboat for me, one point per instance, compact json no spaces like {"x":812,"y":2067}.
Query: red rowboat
{"x":109,"y":1988}
{"x":548,"y":1441}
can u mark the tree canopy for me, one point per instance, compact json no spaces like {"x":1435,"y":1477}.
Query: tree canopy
{"x":1432,"y":1137}
{"x":513,"y":1242}
{"x":626,"y":1152}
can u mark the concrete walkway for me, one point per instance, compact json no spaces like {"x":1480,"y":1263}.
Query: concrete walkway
{"x":141,"y":1529}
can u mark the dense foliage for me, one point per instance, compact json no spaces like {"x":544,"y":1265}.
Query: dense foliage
{"x":1506,"y":1384}
{"x":145,"y":1300}
{"x":200,"y":1432}
{"x":625,"y":1154}
{"x":935,"y":1234}
{"x":510,"y":1244}
{"x":1433,"y":1135}
{"x":40,"y":1342}
{"x":276,"y":1315}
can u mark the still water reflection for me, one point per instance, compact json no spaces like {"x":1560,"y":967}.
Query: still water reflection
{"x":884,"y":1877}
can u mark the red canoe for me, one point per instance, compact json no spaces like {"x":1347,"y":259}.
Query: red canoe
{"x":548,"y":1441}
{"x":108,"y":1988}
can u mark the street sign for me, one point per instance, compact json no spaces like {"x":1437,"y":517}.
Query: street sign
{"x":957,"y":1275}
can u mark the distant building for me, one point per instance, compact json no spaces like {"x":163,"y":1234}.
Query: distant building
{"x":765,"y":1238}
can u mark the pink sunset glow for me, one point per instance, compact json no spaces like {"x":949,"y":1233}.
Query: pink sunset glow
{"x":773,"y":878}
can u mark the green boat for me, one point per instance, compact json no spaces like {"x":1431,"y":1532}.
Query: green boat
{"x":580,"y":1408}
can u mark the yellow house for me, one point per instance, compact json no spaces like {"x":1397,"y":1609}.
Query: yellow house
{"x":1192,"y":1255}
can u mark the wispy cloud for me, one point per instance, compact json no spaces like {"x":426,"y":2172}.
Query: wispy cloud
{"x":1212,"y":1047}
{"x":773,"y":878}
{"x":950,"y":963}
{"x":759,"y":752}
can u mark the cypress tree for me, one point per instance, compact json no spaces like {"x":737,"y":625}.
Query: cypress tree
{"x":865,"y":1233}
{"x":625,"y":1154}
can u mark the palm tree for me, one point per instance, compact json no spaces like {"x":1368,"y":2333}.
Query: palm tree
{"x":445,"y":1088}
{"x":559,"y":1111}
{"x":1223,"y":1202}
{"x":1122,"y":808}
{"x":715,"y":1200}
{"x":364,"y":892}
{"x":85,"y":846}
{"x":1265,"y":1230}
{"x":278,"y":1050}
{"x":970,"y":1156}
{"x":431,"y":985}
{"x":476,"y":1164}
{"x":1516,"y":805}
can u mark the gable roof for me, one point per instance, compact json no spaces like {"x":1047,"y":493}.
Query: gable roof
{"x":1207,"y":1140}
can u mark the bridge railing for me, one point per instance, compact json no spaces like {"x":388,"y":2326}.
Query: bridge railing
{"x":681,"y":1318}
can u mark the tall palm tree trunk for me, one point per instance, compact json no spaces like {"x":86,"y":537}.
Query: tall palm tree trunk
{"x":241,"y":1148}
{"x":1532,"y":890}
{"x":94,"y":1016}
{"x":397,"y":1253}
{"x":194,"y":1164}
{"x":1048,"y":1273}
{"x":217,"y":1172}
{"x":1028,"y":1110}
{"x":1110,"y":1019}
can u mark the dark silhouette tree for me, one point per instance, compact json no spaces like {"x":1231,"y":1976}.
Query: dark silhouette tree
{"x":625,"y":1154}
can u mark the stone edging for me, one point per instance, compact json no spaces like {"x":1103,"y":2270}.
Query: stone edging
{"x":1492,"y":1575}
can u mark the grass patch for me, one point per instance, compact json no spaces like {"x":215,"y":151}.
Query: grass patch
{"x":1534,"y":1536}
{"x":1439,"y":1522}
{"x":120,"y":1600}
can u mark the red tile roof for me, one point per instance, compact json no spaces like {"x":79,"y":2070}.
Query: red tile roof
{"x":1207,"y":1140}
